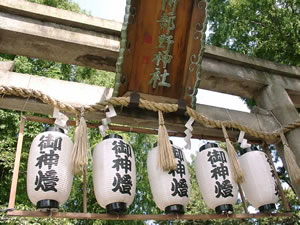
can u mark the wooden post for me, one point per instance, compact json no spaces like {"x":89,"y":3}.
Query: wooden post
{"x":283,"y":198}
{"x":275,"y":99}
{"x":85,"y":180}
{"x":244,"y":203}
{"x":145,"y":217}
{"x":13,"y":188}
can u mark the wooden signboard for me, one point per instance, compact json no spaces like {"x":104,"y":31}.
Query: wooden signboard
{"x":161,"y":49}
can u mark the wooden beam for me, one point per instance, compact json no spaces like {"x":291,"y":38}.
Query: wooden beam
{"x":56,"y":42}
{"x":245,"y":81}
{"x":13,"y":189}
{"x":83,"y":94}
{"x":144,"y":217}
{"x":235,"y":58}
{"x":45,"y":13}
{"x":7,"y":66}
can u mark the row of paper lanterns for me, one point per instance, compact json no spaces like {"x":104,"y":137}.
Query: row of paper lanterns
{"x":49,"y":176}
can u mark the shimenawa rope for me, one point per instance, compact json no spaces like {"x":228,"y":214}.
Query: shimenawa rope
{"x":145,"y":104}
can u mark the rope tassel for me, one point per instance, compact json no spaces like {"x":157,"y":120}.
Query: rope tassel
{"x":80,"y":148}
{"x":292,"y":166}
{"x":166,"y":159}
{"x":233,"y":158}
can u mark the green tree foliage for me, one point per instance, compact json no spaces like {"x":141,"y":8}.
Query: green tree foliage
{"x":268,"y":29}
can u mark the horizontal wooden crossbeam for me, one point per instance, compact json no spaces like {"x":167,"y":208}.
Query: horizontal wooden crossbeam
{"x":84,"y":94}
{"x":143,"y":217}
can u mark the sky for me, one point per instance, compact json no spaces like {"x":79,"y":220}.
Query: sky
{"x":115,"y":10}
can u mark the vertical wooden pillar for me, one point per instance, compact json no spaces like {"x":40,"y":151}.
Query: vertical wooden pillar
{"x":244,"y":203}
{"x":13,"y":188}
{"x":276,"y":99}
{"x":85,"y":181}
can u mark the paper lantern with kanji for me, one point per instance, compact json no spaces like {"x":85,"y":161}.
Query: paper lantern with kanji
{"x":49,"y":170}
{"x":170,"y":190}
{"x":260,"y":186}
{"x":215,"y":178}
{"x":114,"y":174}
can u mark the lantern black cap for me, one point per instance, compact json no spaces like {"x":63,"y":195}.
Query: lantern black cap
{"x":245,"y":150}
{"x":112,"y":136}
{"x":56,"y":129}
{"x":116,"y":208}
{"x":224,"y":209}
{"x":47,"y":205}
{"x":174,"y":209}
{"x":208,"y":145}
{"x":155,"y":144}
{"x":267,"y":208}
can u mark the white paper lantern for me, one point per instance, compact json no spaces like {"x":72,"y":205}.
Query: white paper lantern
{"x":114,"y":174}
{"x":49,"y":170}
{"x":170,"y":190}
{"x":260,"y":186}
{"x":215,"y":178}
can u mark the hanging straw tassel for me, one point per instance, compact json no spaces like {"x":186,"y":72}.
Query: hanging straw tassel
{"x":80,"y":148}
{"x":233,"y":158}
{"x":166,"y":159}
{"x":292,"y":166}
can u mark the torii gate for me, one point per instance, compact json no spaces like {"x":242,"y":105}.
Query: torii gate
{"x":44,"y":32}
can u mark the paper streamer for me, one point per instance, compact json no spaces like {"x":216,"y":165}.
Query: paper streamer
{"x":60,"y":119}
{"x":241,"y":136}
{"x":104,"y":127}
{"x":188,"y":133}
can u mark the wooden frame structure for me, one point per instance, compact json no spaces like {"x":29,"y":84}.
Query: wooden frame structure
{"x":86,"y":215}
{"x":87,"y":41}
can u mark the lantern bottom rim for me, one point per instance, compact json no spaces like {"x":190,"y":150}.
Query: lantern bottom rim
{"x":267,"y":208}
{"x":224,"y":209}
{"x":47,"y":205}
{"x":174,"y":209}
{"x":116,"y":208}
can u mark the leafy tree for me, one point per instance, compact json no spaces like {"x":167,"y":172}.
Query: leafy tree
{"x":268,"y":29}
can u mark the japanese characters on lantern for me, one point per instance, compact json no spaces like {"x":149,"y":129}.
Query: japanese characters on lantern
{"x":215,"y":180}
{"x":114,"y":174}
{"x":49,"y":173}
{"x":47,"y":159}
{"x":260,"y":186}
{"x":170,"y":189}
{"x":122,"y":183}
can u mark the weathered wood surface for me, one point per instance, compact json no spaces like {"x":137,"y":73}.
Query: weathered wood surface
{"x":7,"y":66}
{"x":60,"y":16}
{"x":82,"y":94}
{"x":240,"y":80}
{"x":144,"y":217}
{"x":143,"y":44}
{"x":57,"y":42}
{"x":14,"y":183}
{"x":276,"y":99}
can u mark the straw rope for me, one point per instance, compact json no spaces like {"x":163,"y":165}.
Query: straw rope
{"x":166,"y":160}
{"x":145,"y":104}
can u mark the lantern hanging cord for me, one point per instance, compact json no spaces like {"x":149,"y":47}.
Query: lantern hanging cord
{"x":144,"y":104}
